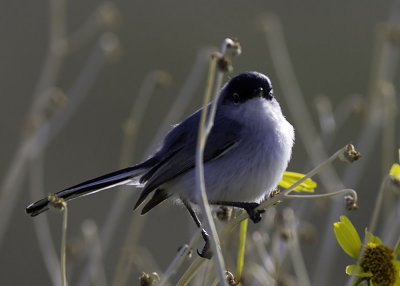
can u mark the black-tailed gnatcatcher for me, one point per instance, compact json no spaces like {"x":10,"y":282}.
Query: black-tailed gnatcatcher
{"x":246,"y":153}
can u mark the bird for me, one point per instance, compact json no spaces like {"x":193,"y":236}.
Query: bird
{"x":245,"y":155}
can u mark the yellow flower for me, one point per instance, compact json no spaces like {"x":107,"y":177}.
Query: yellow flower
{"x":395,"y":173}
{"x":289,"y":178}
{"x":378,"y":265}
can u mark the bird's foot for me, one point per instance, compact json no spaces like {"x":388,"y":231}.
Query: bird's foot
{"x":254,"y":215}
{"x":206,"y":251}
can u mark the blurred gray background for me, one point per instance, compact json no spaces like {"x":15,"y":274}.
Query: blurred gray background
{"x":331,"y":46}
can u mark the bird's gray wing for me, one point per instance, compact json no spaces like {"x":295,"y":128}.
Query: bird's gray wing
{"x":183,"y":140}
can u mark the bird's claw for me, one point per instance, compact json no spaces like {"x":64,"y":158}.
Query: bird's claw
{"x":254,"y":215}
{"x":205,"y":252}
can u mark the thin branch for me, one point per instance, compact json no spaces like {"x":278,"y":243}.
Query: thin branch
{"x":41,"y":224}
{"x":199,"y":170}
{"x":64,"y":246}
{"x":37,"y":142}
{"x":123,"y":198}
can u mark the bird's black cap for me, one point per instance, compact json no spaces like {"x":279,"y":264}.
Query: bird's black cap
{"x":246,"y":86}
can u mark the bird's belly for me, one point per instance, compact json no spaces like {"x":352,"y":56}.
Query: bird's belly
{"x":247,"y":174}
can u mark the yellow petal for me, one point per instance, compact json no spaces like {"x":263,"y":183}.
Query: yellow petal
{"x":395,"y":172}
{"x":372,"y":238}
{"x":397,"y":267}
{"x":357,"y":270}
{"x":347,"y":236}
{"x":289,"y":178}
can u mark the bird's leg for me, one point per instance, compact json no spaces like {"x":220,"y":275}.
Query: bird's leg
{"x":205,"y":252}
{"x":250,"y":208}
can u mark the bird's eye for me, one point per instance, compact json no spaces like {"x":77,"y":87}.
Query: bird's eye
{"x":236,"y":98}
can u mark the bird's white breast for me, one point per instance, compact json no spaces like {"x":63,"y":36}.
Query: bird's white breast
{"x":252,"y":168}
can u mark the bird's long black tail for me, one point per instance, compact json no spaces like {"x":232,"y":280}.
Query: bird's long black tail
{"x":120,"y":177}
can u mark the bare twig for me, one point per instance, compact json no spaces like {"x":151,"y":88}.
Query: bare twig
{"x":41,"y":224}
{"x":119,"y":203}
